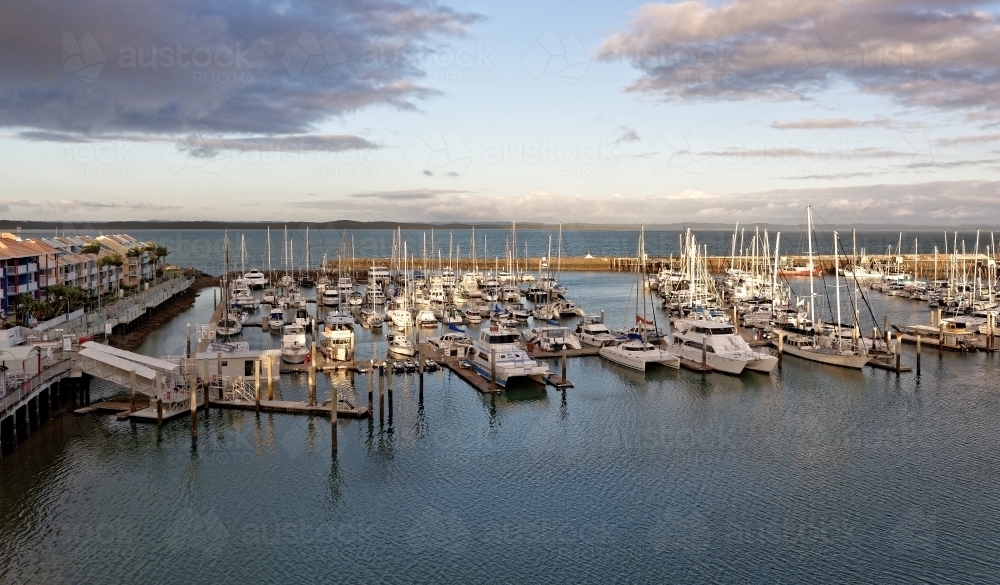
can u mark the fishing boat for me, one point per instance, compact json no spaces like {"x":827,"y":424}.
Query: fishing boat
{"x":496,"y":352}
{"x":293,"y":344}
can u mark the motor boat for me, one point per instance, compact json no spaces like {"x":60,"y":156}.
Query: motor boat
{"x":637,"y":354}
{"x":294,"y":348}
{"x":401,"y":345}
{"x":255,"y":278}
{"x":496,"y":352}
{"x":722,"y":346}
{"x":551,"y":338}
{"x":592,"y":331}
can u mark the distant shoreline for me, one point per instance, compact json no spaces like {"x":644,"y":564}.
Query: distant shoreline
{"x":118,"y":226}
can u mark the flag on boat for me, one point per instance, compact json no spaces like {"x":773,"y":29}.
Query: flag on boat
{"x":454,"y":328}
{"x":639,"y":319}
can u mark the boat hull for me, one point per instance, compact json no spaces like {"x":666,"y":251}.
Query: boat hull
{"x":853,"y":361}
{"x":639,"y":360}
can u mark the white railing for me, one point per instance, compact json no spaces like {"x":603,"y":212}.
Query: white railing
{"x":25,"y":389}
{"x":45,"y":325}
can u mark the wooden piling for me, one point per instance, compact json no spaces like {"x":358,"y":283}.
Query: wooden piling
{"x":312,"y":375}
{"x":270,"y":377}
{"x":188,"y":345}
{"x":781,"y":347}
{"x":334,"y":399}
{"x":381,"y":395}
{"x":493,"y":370}
{"x":388,"y":384}
{"x":193,"y":387}
{"x":896,"y":348}
{"x":940,"y":338}
{"x":132,"y":392}
{"x":564,"y":363}
{"x":371,"y":381}
{"x":256,"y":384}
{"x":420,"y":368}
{"x":918,"y":354}
{"x":159,"y":401}
{"x":704,"y":351}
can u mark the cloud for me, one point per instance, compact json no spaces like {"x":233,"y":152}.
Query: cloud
{"x":833,"y":124}
{"x":213,"y":67}
{"x":628,"y":134}
{"x":65,"y":205}
{"x":871,"y":203}
{"x":935,"y":53}
{"x":200,"y":145}
{"x":978,"y":139}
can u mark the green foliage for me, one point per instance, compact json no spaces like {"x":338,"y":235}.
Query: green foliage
{"x":91,"y":248}
{"x":111,"y":260}
{"x":134,"y":252}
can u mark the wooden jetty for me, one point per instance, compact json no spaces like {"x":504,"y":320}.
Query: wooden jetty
{"x":696,"y":366}
{"x":344,"y":407}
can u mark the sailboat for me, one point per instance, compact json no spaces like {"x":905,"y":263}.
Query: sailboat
{"x":306,"y":280}
{"x":637,"y":352}
{"x":826,"y":349}
{"x":230,"y":324}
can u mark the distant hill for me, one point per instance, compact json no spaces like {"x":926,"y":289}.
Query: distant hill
{"x":70,"y":227}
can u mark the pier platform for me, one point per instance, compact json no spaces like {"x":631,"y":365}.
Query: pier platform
{"x":586,"y":350}
{"x":695,"y":366}
{"x":344,"y":407}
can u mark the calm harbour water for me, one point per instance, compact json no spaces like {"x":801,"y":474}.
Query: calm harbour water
{"x":811,"y":474}
{"x":202,"y":249}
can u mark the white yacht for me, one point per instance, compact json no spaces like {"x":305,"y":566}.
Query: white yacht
{"x":255,"y":278}
{"x":371,"y":319}
{"x":276,"y":319}
{"x":551,"y":338}
{"x":637,"y":354}
{"x":374,"y":295}
{"x":330,"y":297}
{"x":426,"y":318}
{"x":302,"y":318}
{"x":452,"y":343}
{"x":401,"y":345}
{"x":592,"y":331}
{"x":510,"y":360}
{"x":825,"y":350}
{"x":400,"y":317}
{"x":228,"y":326}
{"x":336,"y":340}
{"x":270,"y":296}
{"x":293,"y":344}
{"x":725,"y":350}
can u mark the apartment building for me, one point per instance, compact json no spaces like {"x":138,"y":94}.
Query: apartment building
{"x":19,"y":270}
{"x":136,"y":268}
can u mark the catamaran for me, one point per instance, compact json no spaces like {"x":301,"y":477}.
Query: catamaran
{"x":496,"y":352}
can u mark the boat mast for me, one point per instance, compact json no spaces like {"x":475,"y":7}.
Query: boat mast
{"x":836,"y":272}
{"x":812,"y":292}
{"x":269,"y":253}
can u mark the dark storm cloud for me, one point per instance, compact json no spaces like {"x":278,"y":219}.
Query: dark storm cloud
{"x":216,"y":67}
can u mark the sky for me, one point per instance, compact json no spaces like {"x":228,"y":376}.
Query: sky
{"x":871,"y":111}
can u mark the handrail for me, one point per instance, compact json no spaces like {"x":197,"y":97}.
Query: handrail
{"x":27,"y":387}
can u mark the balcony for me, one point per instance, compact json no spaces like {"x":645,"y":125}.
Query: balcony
{"x":22,"y":269}
{"x":33,"y":267}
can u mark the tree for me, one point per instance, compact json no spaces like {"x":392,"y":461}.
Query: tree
{"x":134,"y":252}
{"x":91,"y":248}
{"x":113,"y":259}
{"x":161,"y":252}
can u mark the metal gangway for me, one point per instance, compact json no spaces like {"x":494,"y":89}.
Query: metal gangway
{"x":156,"y":378}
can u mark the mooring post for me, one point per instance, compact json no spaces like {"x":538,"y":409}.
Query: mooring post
{"x":885,"y":330}
{"x":215,"y":299}
{"x":564,"y":364}
{"x":493,"y":370}
{"x":420,"y":368}
{"x":188,"y":345}
{"x":381,"y":394}
{"x":159,"y":401}
{"x":270,"y":377}
{"x":312,"y":375}
{"x":918,"y":354}
{"x":132,"y":388}
{"x":371,"y":381}
{"x":192,"y":386}
{"x":333,"y":416}
{"x":781,"y":346}
{"x":388,"y":384}
{"x":256,"y":384}
{"x":940,"y":338}
{"x":704,"y":352}
{"x":897,"y":346}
